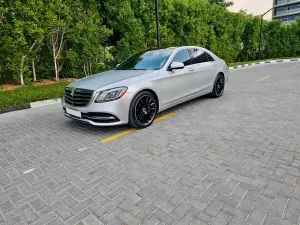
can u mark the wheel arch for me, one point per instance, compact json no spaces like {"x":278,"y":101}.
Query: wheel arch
{"x":152,"y":92}
{"x":131,"y":120}
{"x":221,"y":74}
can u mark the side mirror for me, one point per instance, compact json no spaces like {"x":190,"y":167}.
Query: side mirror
{"x":117,"y":65}
{"x":176,"y":66}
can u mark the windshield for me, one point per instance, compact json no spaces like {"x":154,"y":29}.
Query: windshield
{"x":149,"y":60}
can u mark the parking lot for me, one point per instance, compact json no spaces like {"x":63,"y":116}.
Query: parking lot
{"x":232,"y":160}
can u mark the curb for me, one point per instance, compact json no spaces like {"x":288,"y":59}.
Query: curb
{"x":14,"y":108}
{"x":31,"y":105}
{"x":45,"y":102}
{"x":265,"y":62}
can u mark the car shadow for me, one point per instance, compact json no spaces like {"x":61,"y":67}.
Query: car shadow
{"x":186,"y":104}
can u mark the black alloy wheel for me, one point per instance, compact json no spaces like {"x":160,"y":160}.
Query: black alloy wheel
{"x":219,"y":86}
{"x":142,"y":110}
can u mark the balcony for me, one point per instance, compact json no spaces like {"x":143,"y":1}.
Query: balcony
{"x":287,"y":12}
{"x":286,"y":2}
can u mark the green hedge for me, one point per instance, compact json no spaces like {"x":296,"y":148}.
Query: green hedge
{"x":24,"y":95}
{"x":96,"y":34}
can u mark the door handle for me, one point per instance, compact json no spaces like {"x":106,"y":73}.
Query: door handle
{"x":191,"y":69}
{"x":215,"y":64}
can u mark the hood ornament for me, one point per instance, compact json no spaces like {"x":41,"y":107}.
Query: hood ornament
{"x":72,"y":92}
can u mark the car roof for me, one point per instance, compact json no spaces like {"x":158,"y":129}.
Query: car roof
{"x":184,"y":47}
{"x":191,"y":46}
{"x":177,"y":47}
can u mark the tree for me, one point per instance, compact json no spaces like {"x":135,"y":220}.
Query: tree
{"x":23,"y":32}
{"x":250,"y":39}
{"x":272,"y":39}
{"x":58,"y":25}
{"x":221,"y":2}
{"x":86,"y":37}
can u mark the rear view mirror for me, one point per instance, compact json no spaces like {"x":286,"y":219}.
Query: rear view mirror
{"x":176,"y":66}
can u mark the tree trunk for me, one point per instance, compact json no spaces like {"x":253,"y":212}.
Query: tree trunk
{"x":105,"y":53}
{"x":22,"y":70}
{"x":88,"y":69}
{"x":56,"y":70}
{"x":55,"y":62}
{"x":91,"y":68}
{"x":33,"y":71}
{"x":84,"y":69}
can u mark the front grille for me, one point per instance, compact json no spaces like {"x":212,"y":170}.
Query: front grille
{"x":78,"y":96}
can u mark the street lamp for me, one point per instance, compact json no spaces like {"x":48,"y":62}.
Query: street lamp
{"x":261,"y":27}
{"x":157,"y":24}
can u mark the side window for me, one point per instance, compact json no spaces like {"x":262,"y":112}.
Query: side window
{"x":199,"y":56}
{"x":183,"y":56}
{"x":210,"y":58}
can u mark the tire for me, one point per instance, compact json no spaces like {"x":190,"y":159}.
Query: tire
{"x":143,"y":109}
{"x":219,"y":86}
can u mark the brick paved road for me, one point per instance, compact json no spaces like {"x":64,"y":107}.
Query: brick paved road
{"x":233,"y":160}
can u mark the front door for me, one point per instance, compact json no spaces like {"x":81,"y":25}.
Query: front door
{"x":178,"y":81}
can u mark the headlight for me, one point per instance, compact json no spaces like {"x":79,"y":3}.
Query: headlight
{"x":111,"y":94}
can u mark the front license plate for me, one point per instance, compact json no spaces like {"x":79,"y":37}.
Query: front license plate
{"x":73,"y":112}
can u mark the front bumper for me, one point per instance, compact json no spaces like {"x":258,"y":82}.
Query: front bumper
{"x":103,"y":114}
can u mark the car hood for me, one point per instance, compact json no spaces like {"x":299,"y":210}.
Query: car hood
{"x":98,"y":81}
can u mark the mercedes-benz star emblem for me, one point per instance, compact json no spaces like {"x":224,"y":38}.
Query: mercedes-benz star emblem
{"x":72,"y":92}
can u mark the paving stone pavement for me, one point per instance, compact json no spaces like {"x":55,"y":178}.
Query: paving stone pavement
{"x":233,"y":160}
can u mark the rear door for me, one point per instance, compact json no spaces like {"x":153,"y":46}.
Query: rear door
{"x":205,"y":69}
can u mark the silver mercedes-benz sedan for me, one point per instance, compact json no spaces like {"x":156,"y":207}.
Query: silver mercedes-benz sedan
{"x":144,"y":85}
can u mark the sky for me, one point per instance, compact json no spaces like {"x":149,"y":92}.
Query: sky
{"x":255,"y":7}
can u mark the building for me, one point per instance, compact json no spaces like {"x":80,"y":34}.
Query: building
{"x":286,"y":10}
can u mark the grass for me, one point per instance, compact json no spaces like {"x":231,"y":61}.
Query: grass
{"x":262,"y":60}
{"x":24,"y":95}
